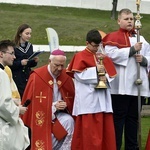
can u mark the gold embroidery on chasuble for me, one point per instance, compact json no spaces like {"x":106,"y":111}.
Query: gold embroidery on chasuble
{"x":39,"y":118}
{"x":39,"y":145}
{"x":59,"y":82}
{"x":50,"y":82}
{"x":40,"y":97}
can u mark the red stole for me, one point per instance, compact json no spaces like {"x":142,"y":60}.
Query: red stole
{"x":86,"y":59}
{"x":39,"y":90}
{"x":118,"y":38}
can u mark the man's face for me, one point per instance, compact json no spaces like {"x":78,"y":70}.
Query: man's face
{"x":92,"y":46}
{"x":8,"y":56}
{"x":126,"y":21}
{"x":57,"y":65}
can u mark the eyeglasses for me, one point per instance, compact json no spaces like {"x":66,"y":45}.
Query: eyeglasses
{"x":95,"y":46}
{"x":11,"y":53}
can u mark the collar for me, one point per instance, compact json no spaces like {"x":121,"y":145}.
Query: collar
{"x":130,"y":33}
{"x":2,"y":66}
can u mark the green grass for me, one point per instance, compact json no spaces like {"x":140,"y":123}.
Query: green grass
{"x":145,"y":126}
{"x":71,"y":24}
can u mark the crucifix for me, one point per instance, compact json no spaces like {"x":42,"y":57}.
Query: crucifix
{"x":40,"y":97}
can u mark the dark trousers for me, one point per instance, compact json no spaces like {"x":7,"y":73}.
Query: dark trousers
{"x":148,"y":103}
{"x":125,"y":110}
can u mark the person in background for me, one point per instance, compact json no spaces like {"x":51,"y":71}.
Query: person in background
{"x":21,"y":67}
{"x":122,"y":47}
{"x":94,"y":127}
{"x":51,"y":92}
{"x":13,"y":133}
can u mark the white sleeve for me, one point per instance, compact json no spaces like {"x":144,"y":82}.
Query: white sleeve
{"x":118,"y":56}
{"x":88,"y":76}
{"x":53,"y":110}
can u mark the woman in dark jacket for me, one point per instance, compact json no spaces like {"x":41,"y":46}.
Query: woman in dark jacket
{"x":21,"y":67}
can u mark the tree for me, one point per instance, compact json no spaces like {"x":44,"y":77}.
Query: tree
{"x":114,"y":9}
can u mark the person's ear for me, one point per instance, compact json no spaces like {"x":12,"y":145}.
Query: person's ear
{"x":118,"y":21}
{"x":87,"y":43}
{"x":1,"y":54}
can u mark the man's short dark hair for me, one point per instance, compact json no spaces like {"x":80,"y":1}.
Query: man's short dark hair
{"x":4,"y":44}
{"x":94,"y":36}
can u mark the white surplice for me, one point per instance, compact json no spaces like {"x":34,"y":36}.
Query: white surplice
{"x":13,"y":133}
{"x":89,"y":100}
{"x":126,"y":67}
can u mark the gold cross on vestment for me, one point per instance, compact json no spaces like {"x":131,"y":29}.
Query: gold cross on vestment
{"x":68,"y":96}
{"x":40,"y":97}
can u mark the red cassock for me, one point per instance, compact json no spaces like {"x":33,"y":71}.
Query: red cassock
{"x":148,"y":142}
{"x":92,"y":131}
{"x":38,"y":117}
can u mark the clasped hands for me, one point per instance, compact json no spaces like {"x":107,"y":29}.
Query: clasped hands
{"x":61,"y":105}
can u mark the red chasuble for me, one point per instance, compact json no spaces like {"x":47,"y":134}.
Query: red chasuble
{"x":118,"y":38}
{"x":39,"y":90}
{"x":86,"y":59}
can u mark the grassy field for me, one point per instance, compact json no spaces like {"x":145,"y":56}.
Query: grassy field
{"x":145,"y":127}
{"x":71,"y":24}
